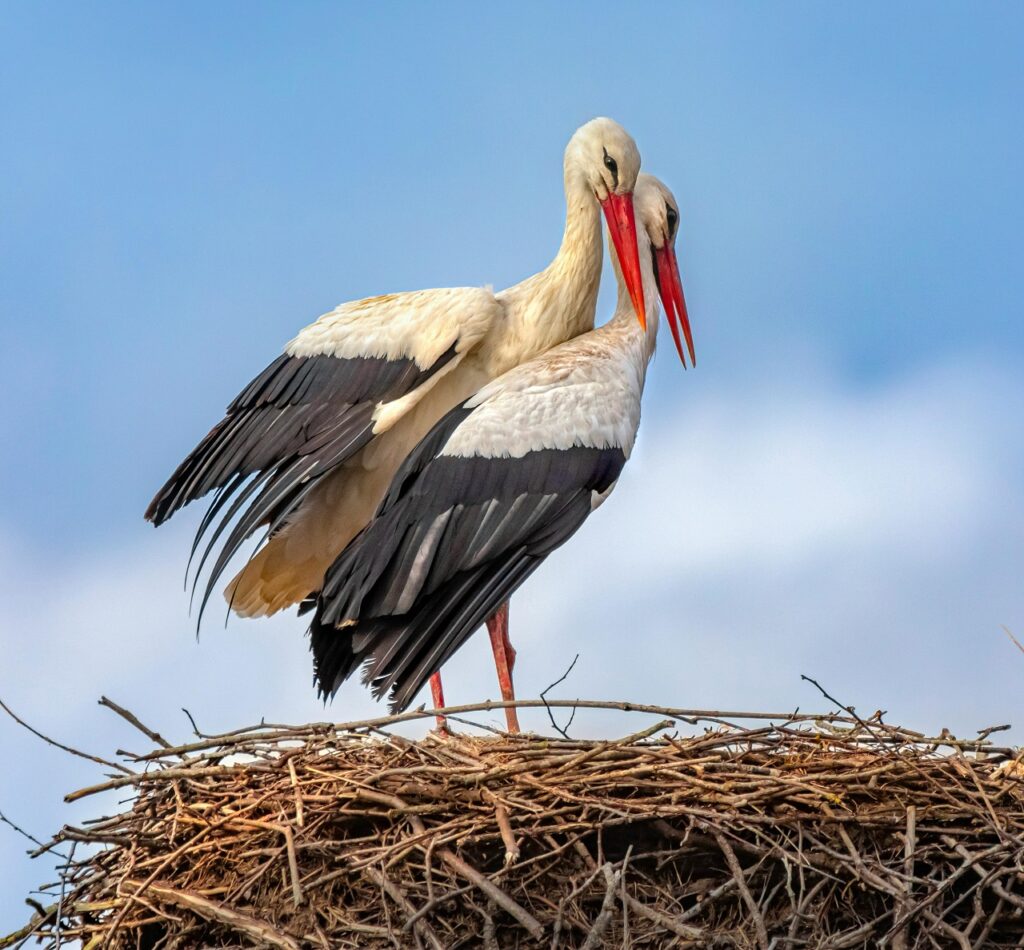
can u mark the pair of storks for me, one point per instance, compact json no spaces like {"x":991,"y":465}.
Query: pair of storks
{"x":412,"y":458}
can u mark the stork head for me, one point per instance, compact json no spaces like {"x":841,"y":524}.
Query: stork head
{"x":658,"y":215}
{"x":603,"y":155}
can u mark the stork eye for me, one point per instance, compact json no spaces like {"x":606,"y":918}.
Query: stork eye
{"x":611,"y":165}
{"x":673,"y":220}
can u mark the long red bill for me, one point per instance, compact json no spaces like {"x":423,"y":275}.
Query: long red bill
{"x":671,"y":288}
{"x":618,"y":211}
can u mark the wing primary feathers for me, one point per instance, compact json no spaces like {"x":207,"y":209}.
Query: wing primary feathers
{"x":269,"y":496}
{"x":223,"y":495}
{"x":450,"y":543}
{"x":480,"y":604}
{"x":289,"y":427}
{"x":318,"y":408}
{"x":221,"y":526}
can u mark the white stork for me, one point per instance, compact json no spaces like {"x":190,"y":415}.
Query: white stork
{"x":308,"y":448}
{"x":499,"y":483}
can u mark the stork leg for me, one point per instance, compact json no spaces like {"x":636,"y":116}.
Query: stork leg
{"x":437,"y":697}
{"x":504,"y":661}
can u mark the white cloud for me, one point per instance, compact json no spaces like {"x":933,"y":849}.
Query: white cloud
{"x":870,"y":540}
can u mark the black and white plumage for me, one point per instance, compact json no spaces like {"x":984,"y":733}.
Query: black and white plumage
{"x":496,"y":486}
{"x":307,"y":450}
{"x":317,"y":406}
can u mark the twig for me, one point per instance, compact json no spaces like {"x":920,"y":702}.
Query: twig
{"x":551,"y":686}
{"x":258,"y":930}
{"x":195,"y":728}
{"x":899,"y":940}
{"x":58,"y":930}
{"x":133,"y":719}
{"x":280,"y":731}
{"x":495,"y":893}
{"x":61,"y":746}
{"x":299,"y":814}
{"x":741,"y":883}
{"x":507,"y":837}
{"x":21,"y":831}
{"x":596,"y":935}
{"x":293,"y":865}
{"x":626,"y":942}
{"x":396,"y":894}
{"x":436,"y":902}
{"x":847,"y":709}
{"x":20,"y":936}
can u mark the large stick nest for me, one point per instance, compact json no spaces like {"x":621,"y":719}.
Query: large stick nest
{"x":799,"y":832}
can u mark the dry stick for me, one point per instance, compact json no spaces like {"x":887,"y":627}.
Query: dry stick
{"x":299,"y":817}
{"x":436,"y":902}
{"x":564,"y":902}
{"x":30,"y":929}
{"x":875,"y":737}
{"x":272,"y":732}
{"x":680,"y":929}
{"x":604,"y":917}
{"x":143,"y":778}
{"x":490,"y":932}
{"x":551,"y":686}
{"x":293,"y":865}
{"x":259,"y":930}
{"x":951,"y":878}
{"x":830,"y":698}
{"x":21,"y":831}
{"x":264,"y":734}
{"x":989,"y":924}
{"x":456,"y":863}
{"x":899,"y":940}
{"x":60,"y":745}
{"x":133,"y":719}
{"x":741,"y":883}
{"x":495,"y":893}
{"x":1019,"y":645}
{"x":685,"y":931}
{"x":997,"y":888}
{"x":984,"y":796}
{"x":603,"y":747}
{"x":423,"y":928}
{"x":161,"y":865}
{"x":505,"y":829}
{"x":63,"y":892}
{"x":624,"y":895}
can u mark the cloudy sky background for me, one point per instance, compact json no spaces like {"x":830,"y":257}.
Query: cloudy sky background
{"x":837,"y":490}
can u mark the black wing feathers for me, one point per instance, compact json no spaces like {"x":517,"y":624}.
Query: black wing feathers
{"x":452,"y":540}
{"x":292,"y":408}
{"x":296,"y":421}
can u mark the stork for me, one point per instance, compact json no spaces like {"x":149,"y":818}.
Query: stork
{"x":309,"y":447}
{"x":498,"y":484}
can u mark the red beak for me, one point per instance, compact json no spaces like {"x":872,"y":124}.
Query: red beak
{"x":671,"y":288}
{"x":618,"y":211}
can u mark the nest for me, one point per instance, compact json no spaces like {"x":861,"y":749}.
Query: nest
{"x":791,"y":831}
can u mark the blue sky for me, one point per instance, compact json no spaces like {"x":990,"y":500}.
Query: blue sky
{"x":836,"y":490}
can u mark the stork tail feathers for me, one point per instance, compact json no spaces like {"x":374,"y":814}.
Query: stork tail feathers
{"x":269,"y":583}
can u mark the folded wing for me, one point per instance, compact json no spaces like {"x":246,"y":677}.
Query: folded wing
{"x":318,"y":404}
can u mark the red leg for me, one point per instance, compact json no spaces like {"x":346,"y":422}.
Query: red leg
{"x":504,"y":661}
{"x":437,"y":697}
